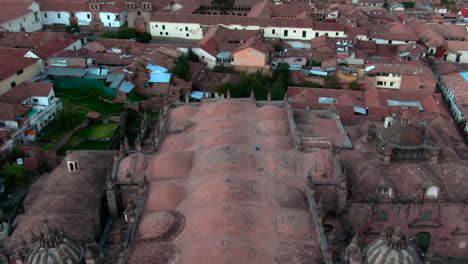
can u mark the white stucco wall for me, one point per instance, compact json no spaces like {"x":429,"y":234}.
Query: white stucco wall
{"x":463,"y":58}
{"x":113,"y":19}
{"x":55,"y":17}
{"x":8,"y":124}
{"x":387,"y":81}
{"x":84,"y":18}
{"x":31,"y":21}
{"x":205,"y":56}
{"x":176,"y":30}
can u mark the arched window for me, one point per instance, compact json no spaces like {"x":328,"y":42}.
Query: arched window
{"x":432,"y":192}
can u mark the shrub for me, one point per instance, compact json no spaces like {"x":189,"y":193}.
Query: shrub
{"x":354,"y":85}
{"x":72,"y":28}
{"x":15,"y":175}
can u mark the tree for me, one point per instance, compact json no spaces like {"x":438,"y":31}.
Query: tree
{"x":125,"y":32}
{"x":354,"y":85}
{"x":182,"y":67}
{"x":72,"y":28}
{"x":278,"y":46}
{"x":332,"y":82}
{"x":223,"y":5}
{"x":277,"y":90}
{"x":144,"y":37}
{"x":17,"y":153}
{"x":15,"y":175}
{"x":67,"y":118}
{"x":191,"y":56}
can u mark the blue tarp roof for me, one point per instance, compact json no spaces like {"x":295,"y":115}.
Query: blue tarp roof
{"x":464,"y":75}
{"x":156,"y":68}
{"x":160,"y":77}
{"x":199,"y":95}
{"x":66,"y":72}
{"x":323,"y":73}
{"x":126,"y":87}
{"x":295,"y":67}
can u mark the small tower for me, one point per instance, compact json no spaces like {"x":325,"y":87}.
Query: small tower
{"x":146,"y":6}
{"x":252,"y":94}
{"x":72,"y":162}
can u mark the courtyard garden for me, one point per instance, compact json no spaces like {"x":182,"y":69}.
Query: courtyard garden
{"x":94,"y":136}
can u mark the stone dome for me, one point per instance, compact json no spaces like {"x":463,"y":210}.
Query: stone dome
{"x":391,"y":248}
{"x":403,"y":134}
{"x":54,"y":248}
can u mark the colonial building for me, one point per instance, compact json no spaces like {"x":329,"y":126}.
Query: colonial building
{"x":41,"y":104}
{"x":23,"y":15}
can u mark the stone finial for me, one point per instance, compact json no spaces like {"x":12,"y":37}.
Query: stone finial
{"x":228,"y":94}
{"x":252,"y":94}
{"x":269,"y":96}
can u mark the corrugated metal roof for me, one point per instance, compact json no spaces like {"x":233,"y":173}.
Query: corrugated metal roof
{"x":322,"y":73}
{"x":115,"y":79}
{"x":66,"y":72}
{"x":126,"y":87}
{"x":405,"y":103}
{"x":160,"y":77}
{"x":98,"y":71}
{"x":327,"y":100}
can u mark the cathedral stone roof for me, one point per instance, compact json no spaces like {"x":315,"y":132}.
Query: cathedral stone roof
{"x":391,"y":248}
{"x":54,"y":248}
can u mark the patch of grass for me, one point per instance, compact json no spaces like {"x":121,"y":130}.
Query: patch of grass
{"x":98,"y":131}
{"x":91,"y":132}
{"x":89,"y":145}
{"x":93,"y":103}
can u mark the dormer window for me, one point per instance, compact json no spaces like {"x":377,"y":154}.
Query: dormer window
{"x":72,"y":165}
{"x":384,"y":191}
{"x":432,"y":192}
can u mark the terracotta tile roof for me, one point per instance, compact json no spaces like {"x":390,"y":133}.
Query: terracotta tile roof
{"x":232,"y":20}
{"x":404,"y":69}
{"x":426,"y":34}
{"x":459,"y":87}
{"x":457,"y":45}
{"x":257,"y":44}
{"x":446,"y":67}
{"x":16,"y":61}
{"x":11,"y":111}
{"x":43,"y":44}
{"x":63,"y":5}
{"x":26,"y":90}
{"x":13,"y":9}
{"x":329,"y":26}
{"x":450,"y":31}
{"x":393,"y":31}
{"x":220,"y":39}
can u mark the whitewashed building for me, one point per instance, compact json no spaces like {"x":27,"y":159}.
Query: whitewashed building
{"x":20,"y":16}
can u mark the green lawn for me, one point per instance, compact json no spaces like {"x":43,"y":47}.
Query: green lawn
{"x":93,"y":103}
{"x":91,"y":145}
{"x":91,"y":132}
{"x":97,"y":131}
